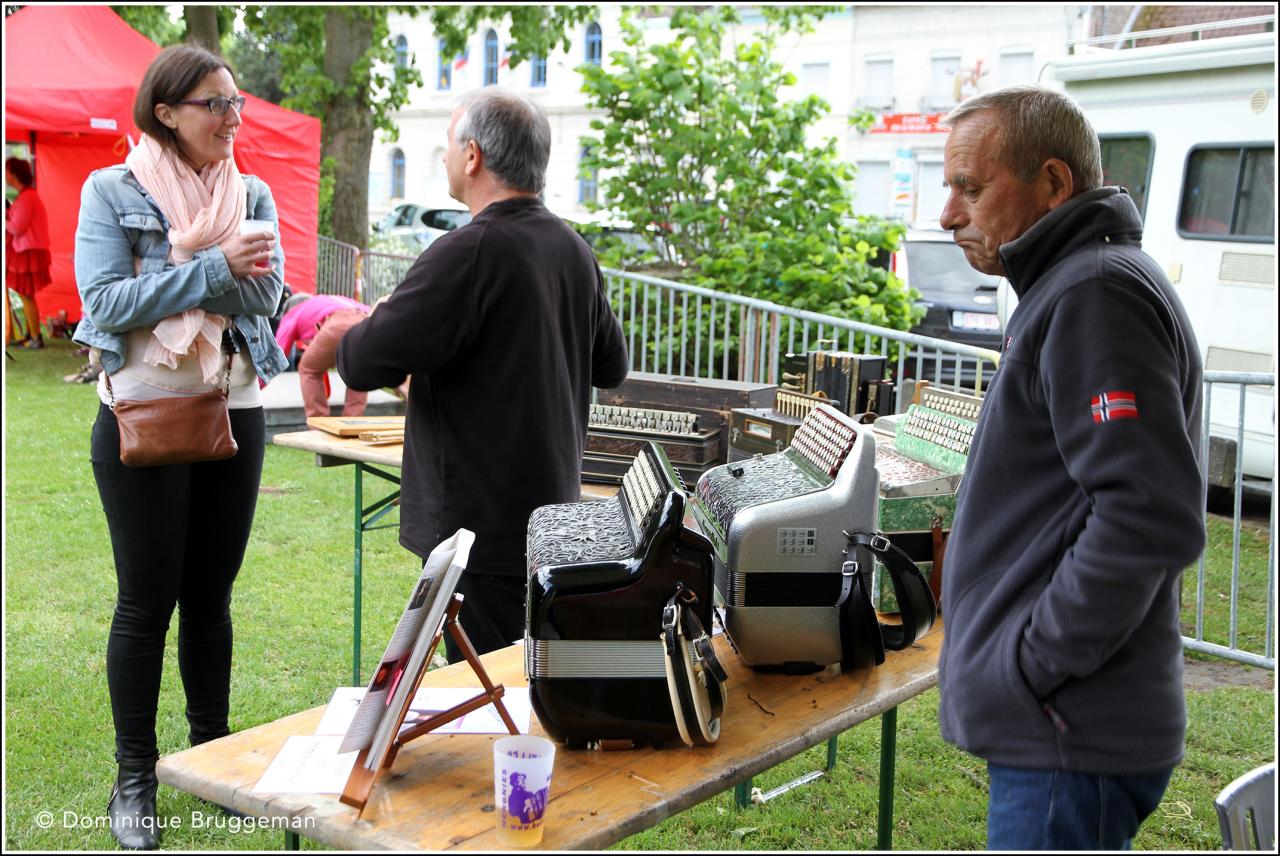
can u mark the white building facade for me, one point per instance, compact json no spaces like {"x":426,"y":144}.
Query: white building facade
{"x":912,"y":64}
{"x":909,"y":64}
{"x":412,"y":169}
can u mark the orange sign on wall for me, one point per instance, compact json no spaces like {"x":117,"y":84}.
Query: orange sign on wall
{"x":908,"y":123}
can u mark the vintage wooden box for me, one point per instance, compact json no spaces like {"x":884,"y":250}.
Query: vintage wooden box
{"x":616,"y":434}
{"x":842,"y":375}
{"x":712,"y":400}
{"x":768,"y":430}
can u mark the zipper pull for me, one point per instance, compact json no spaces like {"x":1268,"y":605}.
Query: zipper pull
{"x":1055,"y":717}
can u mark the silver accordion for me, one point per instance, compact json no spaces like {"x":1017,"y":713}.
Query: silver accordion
{"x":780,"y":525}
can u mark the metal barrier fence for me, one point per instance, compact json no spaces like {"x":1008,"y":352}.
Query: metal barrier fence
{"x":696,"y":332}
{"x":382,"y":272}
{"x":365,"y":276}
{"x":1252,"y":592}
{"x":337,"y":268}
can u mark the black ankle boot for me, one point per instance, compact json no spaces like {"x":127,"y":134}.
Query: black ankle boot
{"x":132,"y":808}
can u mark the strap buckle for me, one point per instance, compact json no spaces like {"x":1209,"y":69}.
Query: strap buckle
{"x":849,"y":569}
{"x":879,"y":543}
{"x":705,"y":656}
{"x":669,"y":614}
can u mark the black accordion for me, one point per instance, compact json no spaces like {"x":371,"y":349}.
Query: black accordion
{"x":619,"y":605}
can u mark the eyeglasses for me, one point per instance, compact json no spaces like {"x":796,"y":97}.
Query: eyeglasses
{"x":218,"y":106}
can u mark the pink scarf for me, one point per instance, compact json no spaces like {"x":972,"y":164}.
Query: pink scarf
{"x":203,"y":210}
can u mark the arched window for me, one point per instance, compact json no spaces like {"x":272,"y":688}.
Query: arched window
{"x":539,"y":76}
{"x":588,"y":179}
{"x":490,"y":58}
{"x":402,"y":52}
{"x":594,"y":46}
{"x":397,"y":174}
{"x":444,"y":72}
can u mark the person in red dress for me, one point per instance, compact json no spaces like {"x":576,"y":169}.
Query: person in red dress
{"x":26,"y":229}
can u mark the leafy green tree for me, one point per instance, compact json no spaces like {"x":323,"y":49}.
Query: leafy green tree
{"x":154,"y":23}
{"x":256,"y":58}
{"x":535,"y":30}
{"x":205,"y":25}
{"x":198,"y":24}
{"x":700,"y":146}
{"x":339,"y":65}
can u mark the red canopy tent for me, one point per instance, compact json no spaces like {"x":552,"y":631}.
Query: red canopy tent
{"x":70,"y":76}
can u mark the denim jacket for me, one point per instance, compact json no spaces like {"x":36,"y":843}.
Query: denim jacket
{"x":119,"y":221}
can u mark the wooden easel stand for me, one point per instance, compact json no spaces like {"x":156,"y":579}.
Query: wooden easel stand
{"x":360,"y":783}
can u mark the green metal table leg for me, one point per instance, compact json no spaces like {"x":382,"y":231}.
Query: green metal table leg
{"x":888,"y":755}
{"x":366,"y":520}
{"x":742,"y":792}
{"x":291,"y":841}
{"x":359,"y":541}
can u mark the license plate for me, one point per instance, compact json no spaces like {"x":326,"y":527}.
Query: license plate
{"x":975,"y":320}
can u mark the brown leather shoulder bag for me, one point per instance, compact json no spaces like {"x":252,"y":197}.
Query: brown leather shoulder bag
{"x":186,"y":430}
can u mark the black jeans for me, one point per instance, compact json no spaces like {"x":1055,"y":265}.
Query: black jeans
{"x":178,"y":534}
{"x":493,"y":613}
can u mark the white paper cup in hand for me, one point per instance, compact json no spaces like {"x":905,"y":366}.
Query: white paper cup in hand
{"x":253,"y":227}
{"x":521,"y":787}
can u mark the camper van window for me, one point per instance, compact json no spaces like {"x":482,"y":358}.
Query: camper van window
{"x":1126,"y":161}
{"x":1228,"y":193}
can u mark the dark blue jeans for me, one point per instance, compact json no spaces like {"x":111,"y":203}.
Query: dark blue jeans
{"x":1062,"y":810}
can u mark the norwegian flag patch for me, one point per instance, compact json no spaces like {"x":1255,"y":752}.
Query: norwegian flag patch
{"x":1110,"y":406}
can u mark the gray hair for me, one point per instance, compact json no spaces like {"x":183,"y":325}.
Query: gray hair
{"x":513,"y":134}
{"x":1037,"y":124}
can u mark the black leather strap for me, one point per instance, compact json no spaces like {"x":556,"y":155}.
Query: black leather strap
{"x":915,"y":602}
{"x":861,"y":645}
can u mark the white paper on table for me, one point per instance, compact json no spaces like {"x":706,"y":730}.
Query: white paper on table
{"x":339,"y":712}
{"x":308,"y":765}
{"x":432,"y":700}
{"x":429,"y":700}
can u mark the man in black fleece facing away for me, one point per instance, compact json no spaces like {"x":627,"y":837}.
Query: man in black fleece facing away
{"x":1082,"y":500}
{"x":505,"y":327}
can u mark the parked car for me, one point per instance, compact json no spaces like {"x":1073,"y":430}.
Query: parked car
{"x":959,"y":302}
{"x":420,"y":224}
{"x":401,"y":215}
{"x":650,"y":247}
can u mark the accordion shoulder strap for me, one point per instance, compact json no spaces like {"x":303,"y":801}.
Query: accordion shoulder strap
{"x":695,"y":678}
{"x":915,"y":602}
{"x":861,"y":643}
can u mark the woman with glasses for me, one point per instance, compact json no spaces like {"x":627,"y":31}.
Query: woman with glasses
{"x":176,"y":299}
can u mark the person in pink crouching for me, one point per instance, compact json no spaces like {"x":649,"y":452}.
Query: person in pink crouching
{"x":317,"y":323}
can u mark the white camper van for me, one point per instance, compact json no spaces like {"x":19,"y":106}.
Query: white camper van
{"x":1190,"y":130}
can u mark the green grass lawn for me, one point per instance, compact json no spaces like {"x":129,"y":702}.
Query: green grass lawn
{"x":292,"y":609}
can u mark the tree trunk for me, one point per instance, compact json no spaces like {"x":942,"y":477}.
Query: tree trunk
{"x":348,"y":124}
{"x":202,"y":27}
